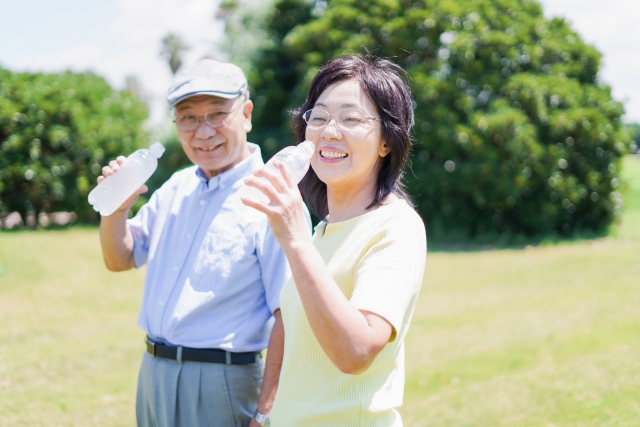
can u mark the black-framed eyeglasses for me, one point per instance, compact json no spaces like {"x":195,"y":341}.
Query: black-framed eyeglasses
{"x":349,"y":118}
{"x":189,"y":122}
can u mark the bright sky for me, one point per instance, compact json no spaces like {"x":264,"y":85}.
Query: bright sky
{"x":114,"y":38}
{"x":119,"y":38}
{"x":612,"y":27}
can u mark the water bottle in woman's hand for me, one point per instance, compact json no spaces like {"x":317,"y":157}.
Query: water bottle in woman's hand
{"x":296,"y":161}
{"x":115,"y":189}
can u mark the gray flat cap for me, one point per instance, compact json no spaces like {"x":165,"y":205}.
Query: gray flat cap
{"x":207,"y":77}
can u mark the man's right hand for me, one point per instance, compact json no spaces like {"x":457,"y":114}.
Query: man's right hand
{"x":114,"y":166}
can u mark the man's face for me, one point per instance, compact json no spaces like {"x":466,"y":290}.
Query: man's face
{"x":216,"y":149}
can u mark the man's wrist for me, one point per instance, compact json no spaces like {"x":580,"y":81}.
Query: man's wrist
{"x":262,"y":419}
{"x":117,"y":215}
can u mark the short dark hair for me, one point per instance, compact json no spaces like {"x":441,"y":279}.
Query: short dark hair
{"x":383,"y":82}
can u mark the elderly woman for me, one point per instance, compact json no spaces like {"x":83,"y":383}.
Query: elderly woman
{"x":354,"y":284}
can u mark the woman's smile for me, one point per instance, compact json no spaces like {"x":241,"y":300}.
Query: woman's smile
{"x":332,"y":155}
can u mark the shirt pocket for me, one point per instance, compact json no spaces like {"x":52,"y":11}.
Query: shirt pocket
{"x":220,"y":252}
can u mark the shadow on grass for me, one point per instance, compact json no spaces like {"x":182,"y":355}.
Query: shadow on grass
{"x":50,"y":227}
{"x":437,"y":242}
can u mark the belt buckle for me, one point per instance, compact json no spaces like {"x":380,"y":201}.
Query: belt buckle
{"x":151,"y":347}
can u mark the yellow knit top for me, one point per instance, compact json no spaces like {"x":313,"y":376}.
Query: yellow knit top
{"x":378,"y":260}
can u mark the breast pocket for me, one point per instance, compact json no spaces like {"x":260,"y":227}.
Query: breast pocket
{"x":220,"y":252}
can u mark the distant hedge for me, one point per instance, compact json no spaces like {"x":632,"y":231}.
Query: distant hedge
{"x":56,"y":133}
{"x":514,"y":133}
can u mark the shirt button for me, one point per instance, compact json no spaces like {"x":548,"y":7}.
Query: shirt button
{"x":201,"y":202}
{"x":160,"y":303}
{"x":188,"y":235}
{"x":175,"y":268}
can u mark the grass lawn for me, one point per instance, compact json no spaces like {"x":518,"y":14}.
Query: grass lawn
{"x":544,"y":336}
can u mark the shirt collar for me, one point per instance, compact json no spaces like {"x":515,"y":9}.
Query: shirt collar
{"x":239,"y":171}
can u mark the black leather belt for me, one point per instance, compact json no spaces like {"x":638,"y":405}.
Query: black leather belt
{"x":207,"y":355}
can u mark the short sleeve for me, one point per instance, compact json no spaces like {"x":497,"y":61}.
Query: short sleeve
{"x":274,"y":265}
{"x":274,"y":268}
{"x":141,"y":225}
{"x":390,"y":272}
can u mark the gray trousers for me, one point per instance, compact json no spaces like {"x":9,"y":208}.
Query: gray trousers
{"x":195,"y":394}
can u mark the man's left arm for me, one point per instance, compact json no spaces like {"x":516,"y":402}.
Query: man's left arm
{"x":273,"y":364}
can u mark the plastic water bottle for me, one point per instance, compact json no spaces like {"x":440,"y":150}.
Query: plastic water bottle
{"x":296,"y":161}
{"x":111,"y":193}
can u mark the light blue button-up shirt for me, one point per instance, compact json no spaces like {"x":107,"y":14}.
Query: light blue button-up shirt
{"x":213,"y":280}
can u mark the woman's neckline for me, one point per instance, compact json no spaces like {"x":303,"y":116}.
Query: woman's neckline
{"x":391,"y":198}
{"x":326,"y":224}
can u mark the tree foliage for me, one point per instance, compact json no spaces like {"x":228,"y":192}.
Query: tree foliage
{"x":173,"y":159}
{"x":276,"y":76}
{"x":56,"y":133}
{"x":173,"y":50}
{"x":514,"y":133}
{"x":634,"y":131}
{"x":245,"y":31}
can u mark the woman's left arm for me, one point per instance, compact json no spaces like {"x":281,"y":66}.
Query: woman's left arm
{"x":351,"y":338}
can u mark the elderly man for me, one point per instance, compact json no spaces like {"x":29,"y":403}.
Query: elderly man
{"x":210,"y":301}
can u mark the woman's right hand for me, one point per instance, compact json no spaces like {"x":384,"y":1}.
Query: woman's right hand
{"x":285,"y":209}
{"x":114,"y":167}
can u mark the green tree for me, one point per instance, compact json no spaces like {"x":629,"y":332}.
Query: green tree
{"x":275,"y":79}
{"x":514,"y":133}
{"x":254,"y":41}
{"x":244,"y":22}
{"x":56,"y":133}
{"x":634,"y":131}
{"x":173,"y":49}
{"x":173,"y":159}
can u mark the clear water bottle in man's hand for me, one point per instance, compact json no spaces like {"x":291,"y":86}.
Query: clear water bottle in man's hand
{"x":296,"y":161}
{"x":115,"y":189}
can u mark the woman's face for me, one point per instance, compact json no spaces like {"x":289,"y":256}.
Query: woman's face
{"x":347,"y":155}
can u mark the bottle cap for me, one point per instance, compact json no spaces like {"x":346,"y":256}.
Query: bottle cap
{"x":307,"y":148}
{"x":156,"y":149}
